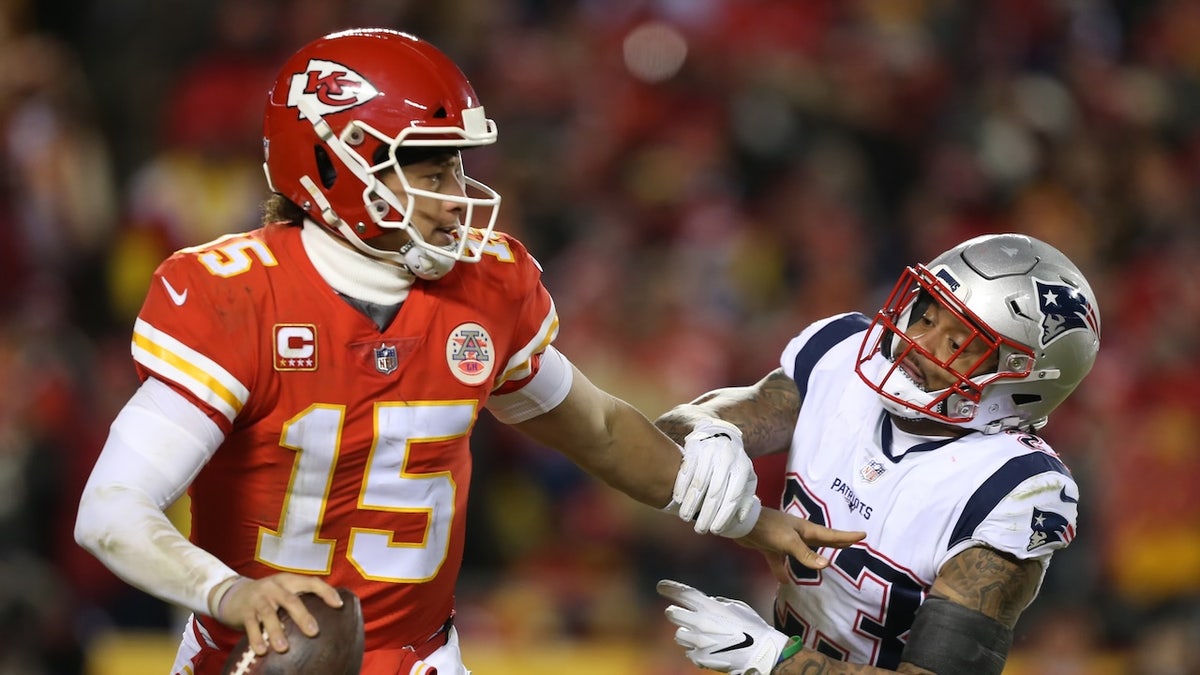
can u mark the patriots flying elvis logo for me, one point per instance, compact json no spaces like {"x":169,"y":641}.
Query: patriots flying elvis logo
{"x":1049,"y":527}
{"x":1064,"y":309}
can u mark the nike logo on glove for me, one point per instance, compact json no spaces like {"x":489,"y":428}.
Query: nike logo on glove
{"x":176,"y":297}
{"x":744,"y":643}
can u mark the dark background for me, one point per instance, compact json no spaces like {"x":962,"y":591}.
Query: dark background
{"x":700,"y":180}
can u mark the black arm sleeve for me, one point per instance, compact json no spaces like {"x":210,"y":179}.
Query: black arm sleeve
{"x":949,"y":639}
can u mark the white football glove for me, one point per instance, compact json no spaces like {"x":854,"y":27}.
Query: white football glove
{"x":716,"y":482}
{"x":721,"y":634}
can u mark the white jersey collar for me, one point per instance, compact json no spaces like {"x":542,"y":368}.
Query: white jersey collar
{"x":897,"y":443}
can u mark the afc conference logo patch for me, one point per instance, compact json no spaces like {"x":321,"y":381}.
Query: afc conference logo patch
{"x":470,"y":354}
{"x":295,"y":346}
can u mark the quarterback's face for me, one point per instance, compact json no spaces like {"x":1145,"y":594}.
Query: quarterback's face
{"x":436,"y":219}
{"x":952,"y":342}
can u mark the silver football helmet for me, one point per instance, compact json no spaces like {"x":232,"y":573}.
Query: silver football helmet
{"x":1023,"y":300}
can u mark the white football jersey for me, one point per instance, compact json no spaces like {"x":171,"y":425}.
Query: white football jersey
{"x":921,"y":500}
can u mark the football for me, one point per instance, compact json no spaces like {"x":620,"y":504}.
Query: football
{"x":336,"y":650}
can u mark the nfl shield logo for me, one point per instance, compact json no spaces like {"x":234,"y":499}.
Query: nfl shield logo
{"x":872,"y":471}
{"x":385,"y":359}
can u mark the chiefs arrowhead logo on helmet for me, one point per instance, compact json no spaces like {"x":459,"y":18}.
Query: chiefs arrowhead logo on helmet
{"x":330,"y":87}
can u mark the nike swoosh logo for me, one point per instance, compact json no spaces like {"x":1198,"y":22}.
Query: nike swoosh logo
{"x":176,"y":297}
{"x":1062,"y":494}
{"x":744,"y":643}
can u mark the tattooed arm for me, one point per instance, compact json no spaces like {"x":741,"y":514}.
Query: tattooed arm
{"x":765,"y":412}
{"x":988,"y":581}
{"x":983,"y":580}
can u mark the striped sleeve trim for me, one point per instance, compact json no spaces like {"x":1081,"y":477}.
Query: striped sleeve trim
{"x":989,"y":495}
{"x":174,"y":361}
{"x":826,"y":338}
{"x":520,"y":366}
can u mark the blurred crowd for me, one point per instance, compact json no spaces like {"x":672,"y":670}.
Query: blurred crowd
{"x":700,"y":179}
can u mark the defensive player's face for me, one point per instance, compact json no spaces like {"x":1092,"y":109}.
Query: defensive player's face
{"x":943,"y":334}
{"x":436,"y":219}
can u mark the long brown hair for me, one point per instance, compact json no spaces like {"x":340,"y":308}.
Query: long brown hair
{"x":280,"y":209}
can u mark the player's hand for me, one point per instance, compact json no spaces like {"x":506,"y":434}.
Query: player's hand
{"x":721,"y":634}
{"x":715,"y":486}
{"x":778,"y":535}
{"x":253,"y":605}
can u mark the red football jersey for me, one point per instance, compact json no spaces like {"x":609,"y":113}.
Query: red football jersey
{"x":346,"y":453}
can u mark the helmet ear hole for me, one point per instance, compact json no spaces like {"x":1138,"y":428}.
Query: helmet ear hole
{"x":1025,"y":399}
{"x":325,"y":169}
{"x":381,"y":154}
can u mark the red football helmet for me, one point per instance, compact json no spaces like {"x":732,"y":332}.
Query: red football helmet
{"x":341,"y":108}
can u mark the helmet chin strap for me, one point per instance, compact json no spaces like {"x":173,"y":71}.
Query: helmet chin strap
{"x":899,"y":385}
{"x":426,"y":264}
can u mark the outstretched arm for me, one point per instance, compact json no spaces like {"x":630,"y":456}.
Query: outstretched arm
{"x":609,"y":439}
{"x":612,"y":440}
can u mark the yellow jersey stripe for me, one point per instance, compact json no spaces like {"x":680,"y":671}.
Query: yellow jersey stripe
{"x":519,"y":366}
{"x":176,"y":362}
